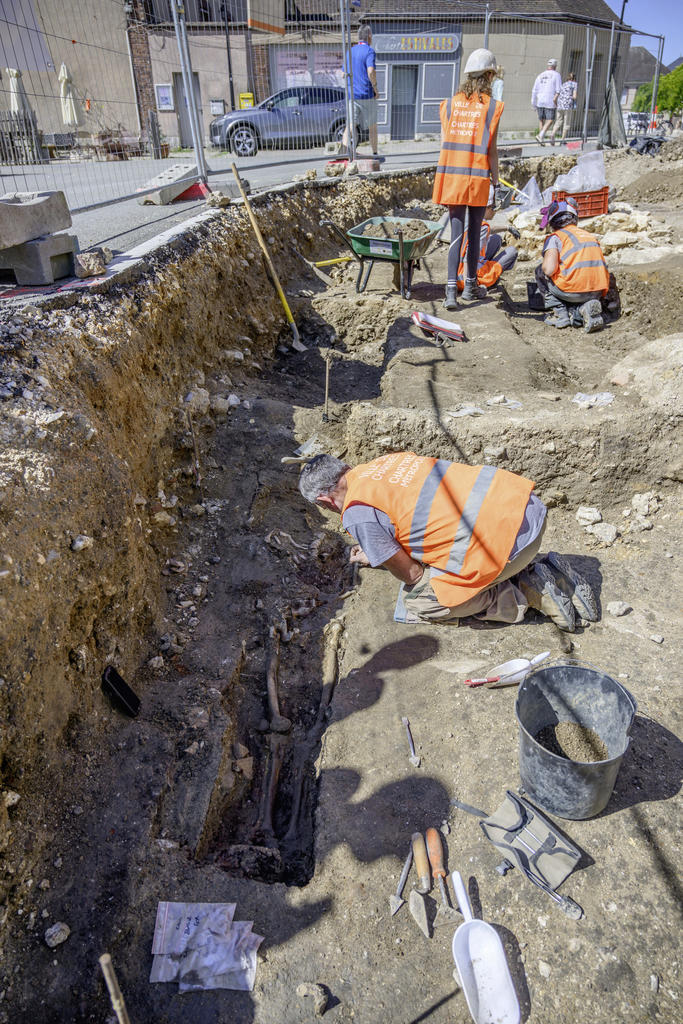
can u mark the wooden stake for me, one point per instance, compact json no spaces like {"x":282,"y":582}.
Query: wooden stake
{"x":115,"y":995}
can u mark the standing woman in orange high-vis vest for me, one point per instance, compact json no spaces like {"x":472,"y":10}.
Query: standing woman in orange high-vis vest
{"x":468,"y":164}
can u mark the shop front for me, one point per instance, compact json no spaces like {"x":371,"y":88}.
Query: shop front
{"x":415,"y":72}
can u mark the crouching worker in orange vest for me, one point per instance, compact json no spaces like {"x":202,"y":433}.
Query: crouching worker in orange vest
{"x":573,"y":276}
{"x":468,"y":164}
{"x":493,"y":258}
{"x":461,"y":539}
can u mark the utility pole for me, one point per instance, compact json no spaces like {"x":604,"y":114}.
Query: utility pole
{"x":226,"y":23}
{"x":616,"y":48}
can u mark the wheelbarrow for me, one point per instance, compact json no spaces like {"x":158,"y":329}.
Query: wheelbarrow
{"x":368,"y":249}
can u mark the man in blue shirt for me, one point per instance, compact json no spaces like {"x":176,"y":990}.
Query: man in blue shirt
{"x":365,"y":84}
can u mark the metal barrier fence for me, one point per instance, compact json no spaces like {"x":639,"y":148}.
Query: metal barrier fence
{"x":117,"y":91}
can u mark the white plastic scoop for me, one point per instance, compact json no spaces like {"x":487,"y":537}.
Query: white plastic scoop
{"x":484,"y":973}
{"x":509,"y":673}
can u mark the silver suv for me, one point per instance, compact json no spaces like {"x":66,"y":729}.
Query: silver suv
{"x":301,"y":115}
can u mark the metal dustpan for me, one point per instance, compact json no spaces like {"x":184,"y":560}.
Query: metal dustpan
{"x":484,"y":973}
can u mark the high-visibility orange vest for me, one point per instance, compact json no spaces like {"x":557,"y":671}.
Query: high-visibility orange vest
{"x":582,"y":266}
{"x":488,"y":271}
{"x":461,"y":520}
{"x":463,"y":173}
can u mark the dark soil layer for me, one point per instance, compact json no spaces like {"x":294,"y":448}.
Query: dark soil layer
{"x":573,"y":741}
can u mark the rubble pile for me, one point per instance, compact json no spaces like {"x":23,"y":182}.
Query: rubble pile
{"x":624,"y":227}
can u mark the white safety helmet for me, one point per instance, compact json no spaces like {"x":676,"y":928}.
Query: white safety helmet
{"x":480,"y":60}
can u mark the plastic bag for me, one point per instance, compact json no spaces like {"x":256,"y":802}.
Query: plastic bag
{"x":592,"y":168}
{"x":531,"y":198}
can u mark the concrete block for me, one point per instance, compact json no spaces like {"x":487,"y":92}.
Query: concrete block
{"x":368,"y":165}
{"x":27,"y":215}
{"x":172,"y":182}
{"x":41,"y":260}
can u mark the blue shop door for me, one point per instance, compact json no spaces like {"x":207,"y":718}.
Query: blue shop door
{"x":403,"y":100}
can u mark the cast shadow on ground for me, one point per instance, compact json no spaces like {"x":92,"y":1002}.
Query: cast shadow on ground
{"x":652,"y":768}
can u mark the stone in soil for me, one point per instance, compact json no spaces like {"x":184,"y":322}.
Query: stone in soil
{"x":573,"y":741}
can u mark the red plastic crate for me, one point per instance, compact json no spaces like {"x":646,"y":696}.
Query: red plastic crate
{"x":590,"y":203}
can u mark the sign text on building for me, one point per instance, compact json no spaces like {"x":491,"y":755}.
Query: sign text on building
{"x":422,"y":43}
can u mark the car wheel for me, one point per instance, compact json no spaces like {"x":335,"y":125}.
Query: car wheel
{"x":337,"y":133}
{"x":244,"y":141}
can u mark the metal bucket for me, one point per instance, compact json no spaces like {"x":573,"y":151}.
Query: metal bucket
{"x":570,"y":692}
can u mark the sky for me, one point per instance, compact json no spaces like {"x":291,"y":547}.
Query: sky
{"x":661,"y":17}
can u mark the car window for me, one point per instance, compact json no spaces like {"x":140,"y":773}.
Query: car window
{"x":286,"y":99}
{"x":313,"y":95}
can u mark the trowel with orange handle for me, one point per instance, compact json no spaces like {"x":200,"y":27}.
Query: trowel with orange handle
{"x":416,"y":901}
{"x":445,"y":914}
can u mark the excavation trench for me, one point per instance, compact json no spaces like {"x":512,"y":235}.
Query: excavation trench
{"x":147,"y":521}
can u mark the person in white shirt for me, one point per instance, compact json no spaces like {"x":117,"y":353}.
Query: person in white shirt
{"x":544,"y":97}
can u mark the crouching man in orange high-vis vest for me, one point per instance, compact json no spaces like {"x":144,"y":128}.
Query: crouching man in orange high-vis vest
{"x":460,"y":538}
{"x":573,"y":277}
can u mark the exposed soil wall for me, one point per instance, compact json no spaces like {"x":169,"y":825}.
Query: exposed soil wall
{"x":92,"y":422}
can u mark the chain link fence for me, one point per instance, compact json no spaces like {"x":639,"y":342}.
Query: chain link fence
{"x":97,"y":99}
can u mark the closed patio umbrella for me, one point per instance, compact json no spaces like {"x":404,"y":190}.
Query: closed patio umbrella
{"x":71,"y":113}
{"x":18,"y":100}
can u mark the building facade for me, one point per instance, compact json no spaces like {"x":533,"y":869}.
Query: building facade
{"x":124,"y":62}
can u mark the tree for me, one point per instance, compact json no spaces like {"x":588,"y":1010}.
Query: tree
{"x":643,"y":98}
{"x":669,"y":95}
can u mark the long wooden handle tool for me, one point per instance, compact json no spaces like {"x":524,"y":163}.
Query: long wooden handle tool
{"x":269,"y":262}
{"x":424,"y":882}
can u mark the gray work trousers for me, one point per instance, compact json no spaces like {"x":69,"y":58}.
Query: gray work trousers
{"x":502,"y":601}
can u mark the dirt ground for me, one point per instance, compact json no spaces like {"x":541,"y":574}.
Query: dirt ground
{"x":168,"y":545}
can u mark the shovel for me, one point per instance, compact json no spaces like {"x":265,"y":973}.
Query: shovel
{"x":484,"y":973}
{"x":509,"y":673}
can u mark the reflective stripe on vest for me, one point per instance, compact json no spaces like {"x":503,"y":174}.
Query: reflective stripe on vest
{"x":461,"y":520}
{"x":463,"y":172}
{"x":581,"y":266}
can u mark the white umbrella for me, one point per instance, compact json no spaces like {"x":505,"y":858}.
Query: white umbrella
{"x":71,"y":114}
{"x":18,"y":100}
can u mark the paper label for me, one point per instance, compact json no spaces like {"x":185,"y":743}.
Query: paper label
{"x":380,"y":248}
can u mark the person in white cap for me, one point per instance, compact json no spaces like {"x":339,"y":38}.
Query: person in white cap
{"x":544,"y":97}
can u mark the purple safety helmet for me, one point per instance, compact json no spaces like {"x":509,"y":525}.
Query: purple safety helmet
{"x":560,"y":212}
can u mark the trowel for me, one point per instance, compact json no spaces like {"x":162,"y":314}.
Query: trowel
{"x":396,"y":900}
{"x":416,"y":905}
{"x":416,"y":902}
{"x":445,"y":914}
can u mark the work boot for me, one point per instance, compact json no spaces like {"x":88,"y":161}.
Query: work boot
{"x":591,"y":313}
{"x":472,"y":290}
{"x":575,"y":317}
{"x":574,"y":585}
{"x":538,"y":585}
{"x":451,"y":300}
{"x":557,"y":317}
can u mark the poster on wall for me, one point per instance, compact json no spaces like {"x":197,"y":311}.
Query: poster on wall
{"x":292,"y":69}
{"x":328,"y":68}
{"x":266,"y":15}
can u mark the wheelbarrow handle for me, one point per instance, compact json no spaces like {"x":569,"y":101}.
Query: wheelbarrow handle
{"x":341,"y":235}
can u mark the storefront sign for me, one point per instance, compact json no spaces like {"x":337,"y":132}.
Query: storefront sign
{"x":428,"y":42}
